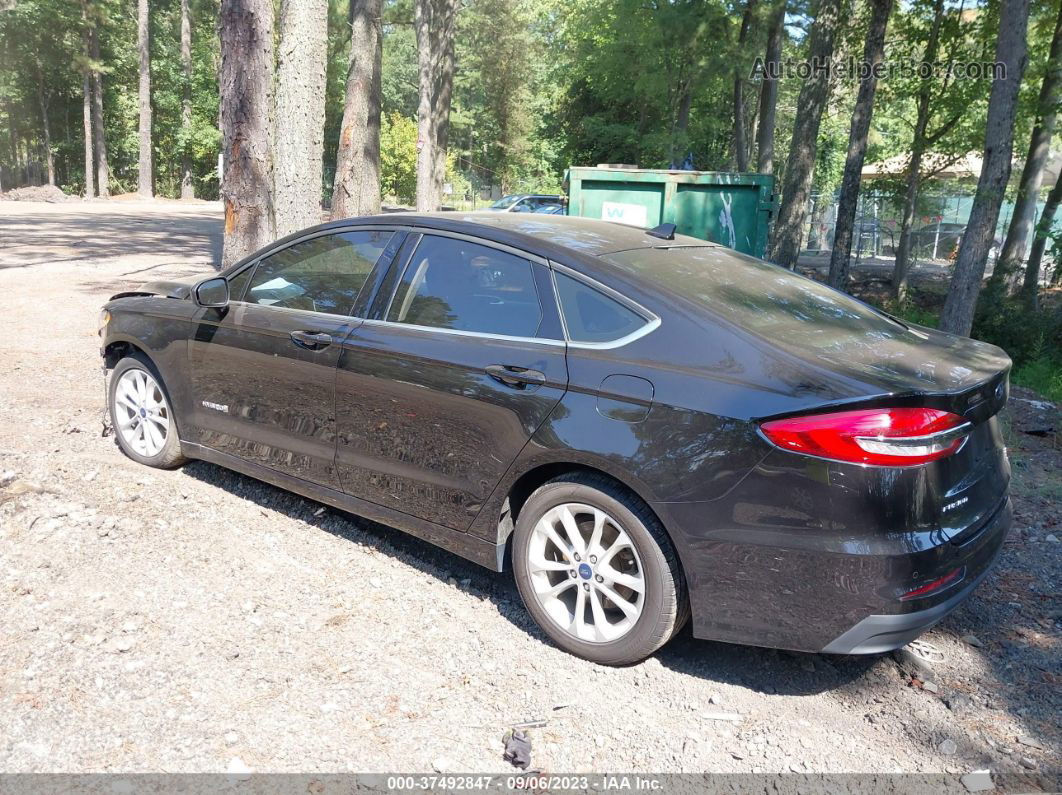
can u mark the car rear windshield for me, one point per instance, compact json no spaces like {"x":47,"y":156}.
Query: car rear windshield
{"x":506,"y":201}
{"x":758,"y":296}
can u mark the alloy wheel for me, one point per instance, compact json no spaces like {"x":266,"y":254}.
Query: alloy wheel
{"x":586,"y":573}
{"x":141,"y":413}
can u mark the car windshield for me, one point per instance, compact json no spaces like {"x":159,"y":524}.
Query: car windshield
{"x":755,"y":295}
{"x":505,"y":202}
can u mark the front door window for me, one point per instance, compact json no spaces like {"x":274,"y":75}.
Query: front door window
{"x":321,"y":274}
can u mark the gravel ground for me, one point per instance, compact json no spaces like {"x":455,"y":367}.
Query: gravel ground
{"x":199,"y":620}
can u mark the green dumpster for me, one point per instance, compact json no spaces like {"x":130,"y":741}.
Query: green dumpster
{"x":732,"y":209}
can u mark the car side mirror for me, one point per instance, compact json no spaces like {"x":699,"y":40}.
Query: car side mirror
{"x":212,"y":293}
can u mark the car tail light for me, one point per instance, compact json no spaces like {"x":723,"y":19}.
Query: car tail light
{"x":884,"y":437}
{"x":939,"y":584}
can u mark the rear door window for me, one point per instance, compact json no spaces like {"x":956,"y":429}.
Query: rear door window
{"x":592,"y":316}
{"x":451,"y":283}
{"x":321,"y":274}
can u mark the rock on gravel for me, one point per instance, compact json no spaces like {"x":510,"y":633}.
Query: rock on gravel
{"x":911,"y":662}
{"x":238,"y":768}
{"x":978,"y":781}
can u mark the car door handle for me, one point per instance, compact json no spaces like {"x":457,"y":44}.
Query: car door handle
{"x":311,"y":340}
{"x":515,"y":377}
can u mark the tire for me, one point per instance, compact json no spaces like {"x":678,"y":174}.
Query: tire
{"x":132,"y":408}
{"x":607,"y":634}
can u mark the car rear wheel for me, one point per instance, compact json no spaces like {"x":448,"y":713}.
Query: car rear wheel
{"x":597,"y":571}
{"x":141,"y":415}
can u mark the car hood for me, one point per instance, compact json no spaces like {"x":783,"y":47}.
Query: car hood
{"x":170,"y":288}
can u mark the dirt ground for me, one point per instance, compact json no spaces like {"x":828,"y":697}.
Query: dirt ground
{"x":198,"y":620}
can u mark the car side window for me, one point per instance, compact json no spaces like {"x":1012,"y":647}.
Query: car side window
{"x":454,"y":284}
{"x":591,"y":316}
{"x":238,"y":283}
{"x":322,"y":274}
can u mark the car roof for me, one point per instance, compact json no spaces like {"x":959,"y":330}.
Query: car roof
{"x":569,"y":240}
{"x":538,"y":233}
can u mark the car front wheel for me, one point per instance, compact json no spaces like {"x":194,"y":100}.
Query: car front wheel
{"x":141,"y":415}
{"x":597,"y":571}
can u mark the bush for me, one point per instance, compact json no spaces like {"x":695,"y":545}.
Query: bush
{"x":1033,"y":339}
{"x":1027,"y":336}
{"x":398,"y":157}
{"x":1043,"y":375}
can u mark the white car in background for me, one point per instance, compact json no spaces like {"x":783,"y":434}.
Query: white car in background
{"x":525,"y":203}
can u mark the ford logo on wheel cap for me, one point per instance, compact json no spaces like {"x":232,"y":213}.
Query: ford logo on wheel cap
{"x":585,"y":571}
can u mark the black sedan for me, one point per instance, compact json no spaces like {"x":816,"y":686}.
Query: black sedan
{"x":646,"y":428}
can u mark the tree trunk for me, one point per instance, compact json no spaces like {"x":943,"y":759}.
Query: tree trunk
{"x":769,"y":91}
{"x":682,"y":122}
{"x":435,"y":22}
{"x":873,"y":53}
{"x":422,"y":23}
{"x":356,"y":190}
{"x":145,"y":182}
{"x":444,"y":90}
{"x":298,"y":170}
{"x":1012,"y":52}
{"x":902,"y":265}
{"x":187,"y":186}
{"x":99,"y":137}
{"x":801,"y":164}
{"x":246,"y":86}
{"x":86,"y":87}
{"x":46,"y":127}
{"x":90,"y":175}
{"x":1021,"y":222}
{"x":741,"y":147}
{"x":1031,"y":287}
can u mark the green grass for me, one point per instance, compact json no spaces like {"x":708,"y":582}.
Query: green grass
{"x":918,"y":315}
{"x":1043,"y":375}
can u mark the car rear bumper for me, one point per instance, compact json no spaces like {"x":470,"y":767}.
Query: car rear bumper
{"x":879,"y":633}
{"x":876,"y":634}
{"x":809,"y":599}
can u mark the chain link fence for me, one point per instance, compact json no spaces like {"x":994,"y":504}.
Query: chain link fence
{"x":939,"y":224}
